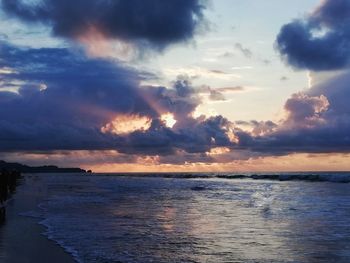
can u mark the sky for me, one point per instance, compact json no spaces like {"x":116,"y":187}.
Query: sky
{"x":176,"y":85}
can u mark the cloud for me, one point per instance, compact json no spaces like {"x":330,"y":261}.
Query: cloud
{"x":197,"y":136}
{"x":72,"y":76}
{"x":195,"y":72}
{"x":147,"y":24}
{"x":317,"y":121}
{"x":231,"y":89}
{"x":81,"y":95}
{"x":304,"y":110}
{"x":319,"y":42}
{"x":266,"y":61}
{"x":218,"y":94}
{"x":248,"y":53}
{"x":226,"y":54}
{"x":67,"y":101}
{"x":258,"y":128}
{"x":3,"y":36}
{"x":181,"y":100}
{"x":245,"y":51}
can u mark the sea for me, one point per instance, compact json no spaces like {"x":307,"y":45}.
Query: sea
{"x":229,"y":217}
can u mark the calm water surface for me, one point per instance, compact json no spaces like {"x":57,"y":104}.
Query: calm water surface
{"x":133,"y":219}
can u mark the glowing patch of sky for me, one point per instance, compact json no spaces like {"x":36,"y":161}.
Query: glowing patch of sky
{"x":254,"y":25}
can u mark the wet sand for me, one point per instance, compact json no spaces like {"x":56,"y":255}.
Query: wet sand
{"x":21,"y":237}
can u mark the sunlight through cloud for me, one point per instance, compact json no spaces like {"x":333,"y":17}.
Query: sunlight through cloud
{"x":125,"y":124}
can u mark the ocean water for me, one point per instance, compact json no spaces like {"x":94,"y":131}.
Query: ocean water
{"x":198,"y":218}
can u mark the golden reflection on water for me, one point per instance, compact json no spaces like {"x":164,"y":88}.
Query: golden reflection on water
{"x":167,"y":218}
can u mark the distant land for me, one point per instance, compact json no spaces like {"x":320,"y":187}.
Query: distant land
{"x":38,"y":169}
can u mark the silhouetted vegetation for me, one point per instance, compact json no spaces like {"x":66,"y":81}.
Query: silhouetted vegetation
{"x":38,"y":169}
{"x":8,"y":184}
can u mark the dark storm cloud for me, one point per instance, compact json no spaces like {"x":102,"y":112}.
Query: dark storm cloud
{"x":319,"y":42}
{"x":198,"y":136}
{"x":63,"y":99}
{"x":155,"y":23}
{"x":72,"y":77}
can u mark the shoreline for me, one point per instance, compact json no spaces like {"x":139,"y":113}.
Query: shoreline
{"x":22,"y":238}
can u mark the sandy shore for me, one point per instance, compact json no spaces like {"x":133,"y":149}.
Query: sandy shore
{"x":21,"y":238}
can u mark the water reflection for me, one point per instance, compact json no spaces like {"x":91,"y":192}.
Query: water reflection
{"x":111,"y":219}
{"x":321,"y":223}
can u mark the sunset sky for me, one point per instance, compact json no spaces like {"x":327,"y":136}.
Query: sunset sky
{"x":176,"y":85}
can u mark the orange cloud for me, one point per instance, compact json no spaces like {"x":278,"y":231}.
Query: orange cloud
{"x":289,"y":163}
{"x":124,"y":124}
{"x":112,"y":161}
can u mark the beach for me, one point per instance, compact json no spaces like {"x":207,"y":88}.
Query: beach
{"x":21,"y":237}
{"x":174,"y":131}
{"x":175,"y":218}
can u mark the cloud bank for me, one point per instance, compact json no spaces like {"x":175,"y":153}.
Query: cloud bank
{"x":62,"y":100}
{"x":319,"y":42}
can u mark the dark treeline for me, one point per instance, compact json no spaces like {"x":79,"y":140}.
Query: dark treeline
{"x":38,"y":169}
{"x":8,"y":184}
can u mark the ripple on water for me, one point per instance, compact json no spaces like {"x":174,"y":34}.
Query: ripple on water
{"x":112,"y":219}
